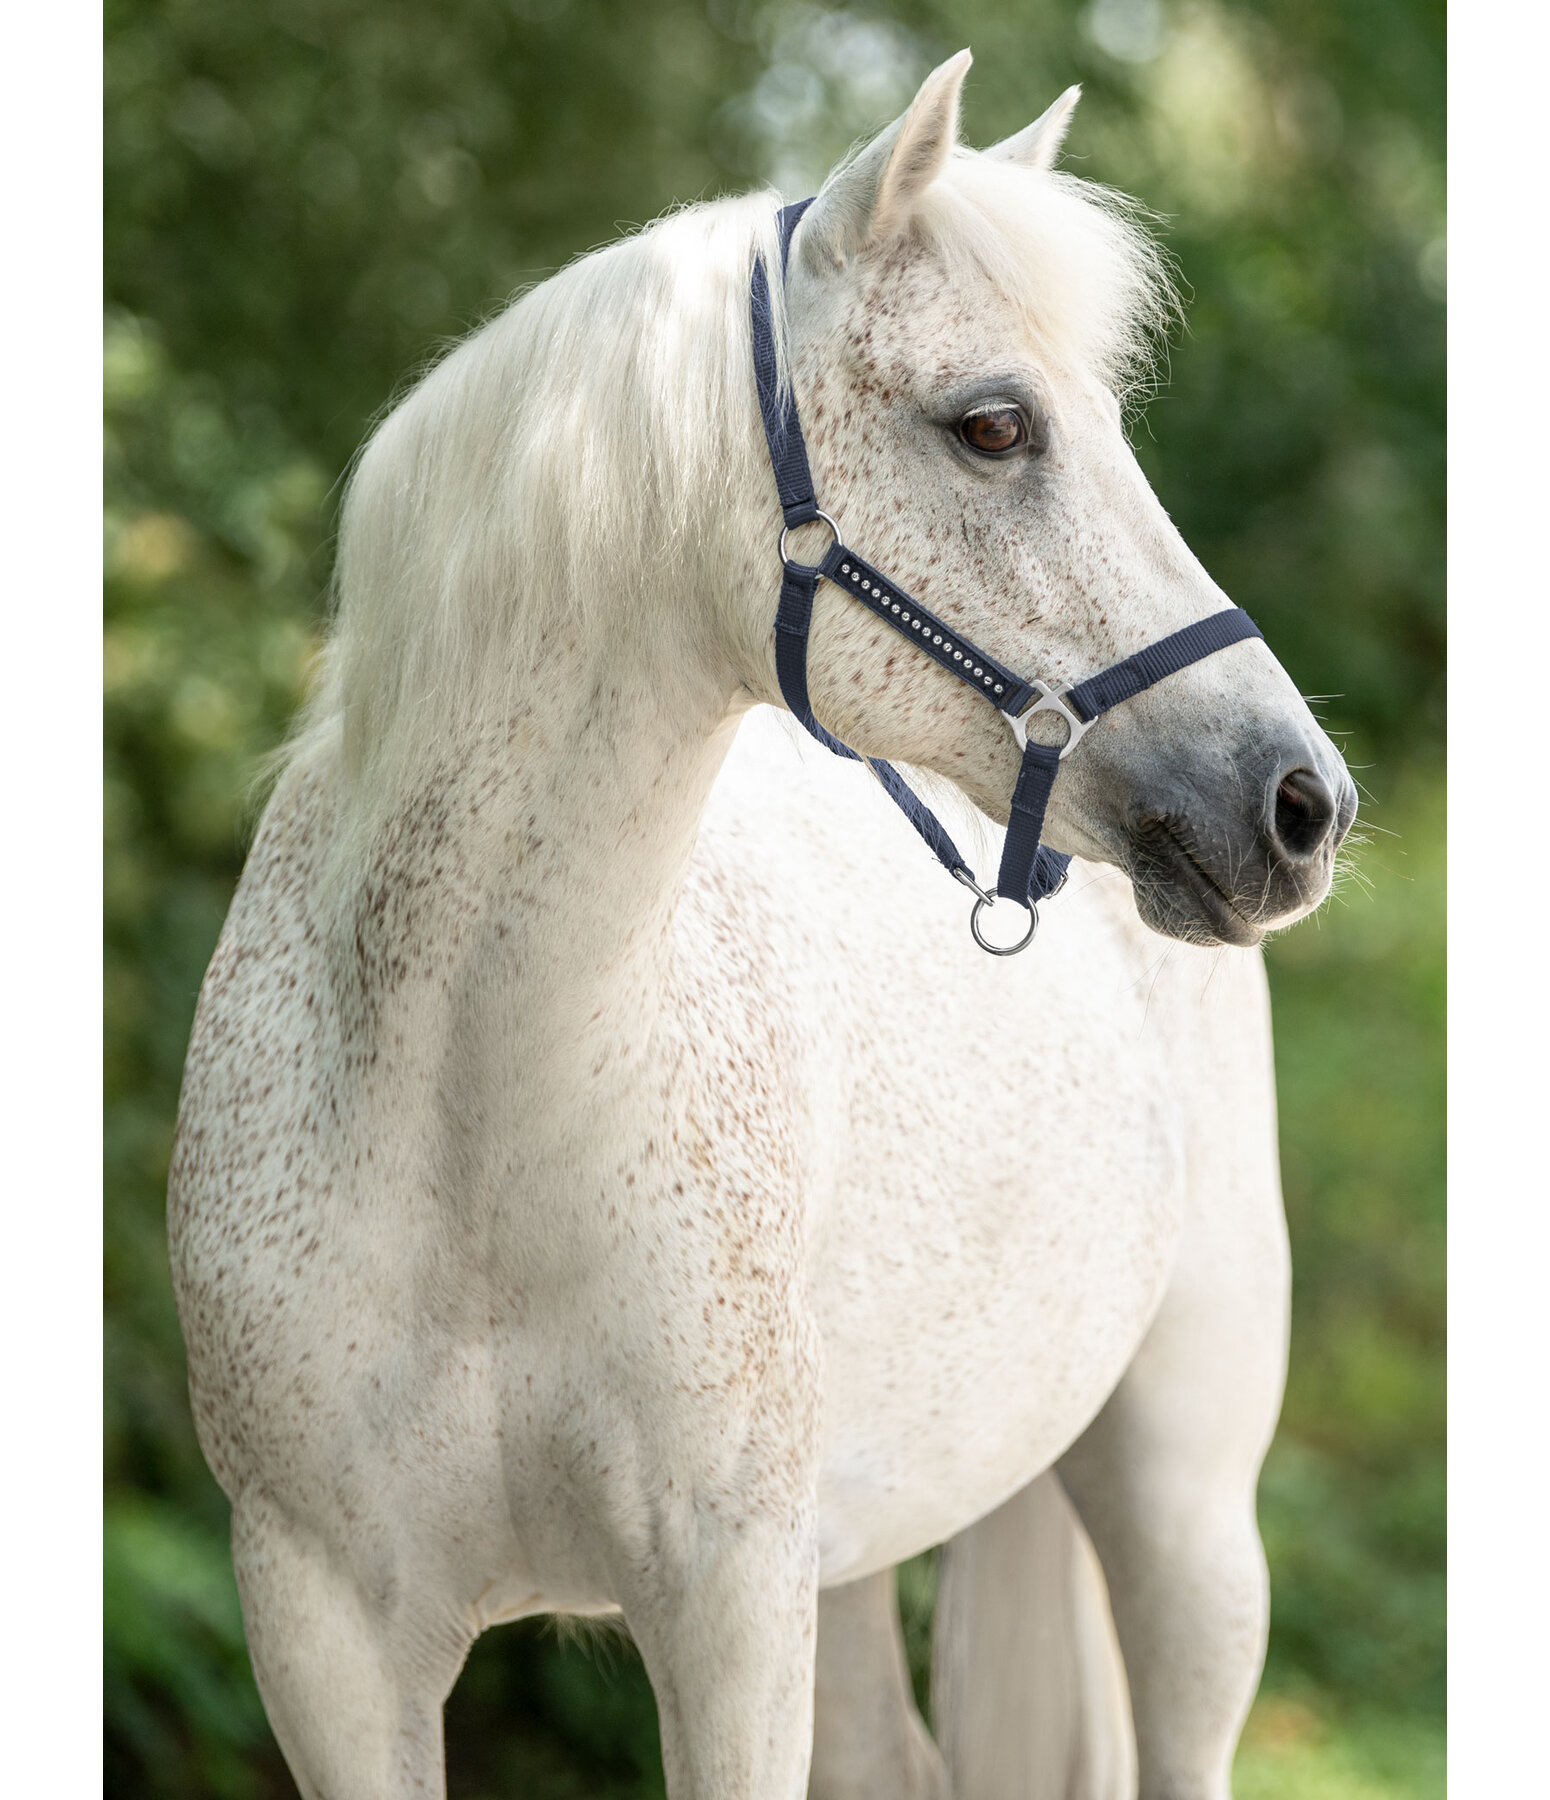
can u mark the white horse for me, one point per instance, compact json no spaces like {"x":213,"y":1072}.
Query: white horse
{"x":608,"y":1176}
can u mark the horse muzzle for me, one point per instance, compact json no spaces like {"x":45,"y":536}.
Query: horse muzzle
{"x":1226,"y":873}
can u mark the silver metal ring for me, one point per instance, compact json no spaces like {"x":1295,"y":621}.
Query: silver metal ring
{"x":787,"y":530}
{"x":1001,"y":949}
{"x":1049,"y":699}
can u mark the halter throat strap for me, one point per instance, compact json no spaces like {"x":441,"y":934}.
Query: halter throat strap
{"x":1030,"y":871}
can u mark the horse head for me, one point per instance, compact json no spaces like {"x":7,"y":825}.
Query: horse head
{"x":960,"y":330}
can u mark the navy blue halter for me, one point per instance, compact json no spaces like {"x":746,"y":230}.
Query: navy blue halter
{"x":1029,"y":871}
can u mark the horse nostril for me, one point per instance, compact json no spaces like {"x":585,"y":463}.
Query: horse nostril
{"x":1305,"y":812}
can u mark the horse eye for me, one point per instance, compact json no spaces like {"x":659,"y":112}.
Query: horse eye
{"x":996,"y":431}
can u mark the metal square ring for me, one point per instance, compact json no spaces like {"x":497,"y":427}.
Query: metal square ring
{"x":1049,"y":699}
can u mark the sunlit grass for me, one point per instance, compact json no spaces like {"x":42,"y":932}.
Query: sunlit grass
{"x":1292,"y":1751}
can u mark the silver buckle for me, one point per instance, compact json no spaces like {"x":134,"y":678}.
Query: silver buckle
{"x":1048,"y":698}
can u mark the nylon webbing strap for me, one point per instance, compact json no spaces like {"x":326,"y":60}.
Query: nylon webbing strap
{"x":799,"y":583}
{"x":921,"y":626}
{"x":1090,"y":698}
{"x":1029,"y":870}
{"x":793,"y":619}
{"x":788,"y":453}
{"x":1023,"y":857}
{"x":1027,"y":866}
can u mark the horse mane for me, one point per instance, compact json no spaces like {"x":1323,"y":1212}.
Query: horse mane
{"x":562,"y":467}
{"x":563,"y":458}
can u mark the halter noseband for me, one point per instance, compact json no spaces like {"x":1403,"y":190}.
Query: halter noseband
{"x":1029,"y":870}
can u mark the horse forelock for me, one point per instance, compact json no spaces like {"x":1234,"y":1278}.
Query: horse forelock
{"x":1092,"y":285}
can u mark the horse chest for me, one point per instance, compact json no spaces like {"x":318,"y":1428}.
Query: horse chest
{"x":945,"y":1242}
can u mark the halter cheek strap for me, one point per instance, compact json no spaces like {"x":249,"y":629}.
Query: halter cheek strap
{"x":1030,"y":871}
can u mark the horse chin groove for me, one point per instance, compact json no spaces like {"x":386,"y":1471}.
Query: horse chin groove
{"x":1177,"y":896}
{"x":1194,"y":919}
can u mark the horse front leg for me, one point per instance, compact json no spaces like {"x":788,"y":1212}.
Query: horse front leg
{"x":353,"y":1668}
{"x":869,"y":1740}
{"x":725,"y":1617}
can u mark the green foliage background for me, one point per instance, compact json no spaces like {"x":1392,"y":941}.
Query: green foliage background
{"x":307,"y":197}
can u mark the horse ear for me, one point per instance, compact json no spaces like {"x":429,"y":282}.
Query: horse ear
{"x":1037,"y":145}
{"x":868,"y":199}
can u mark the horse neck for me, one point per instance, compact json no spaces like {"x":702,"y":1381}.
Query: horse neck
{"x":530,"y":871}
{"x":553,"y":791}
